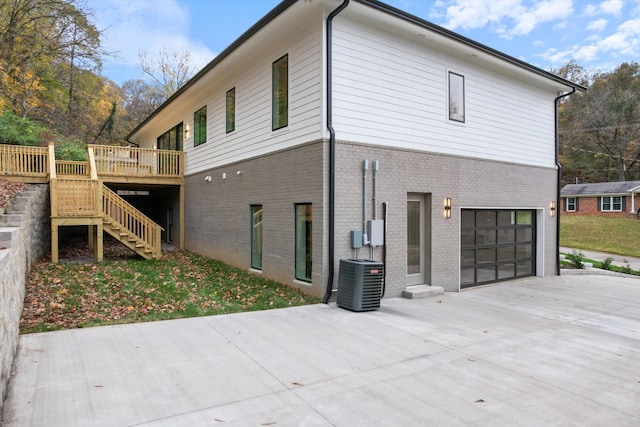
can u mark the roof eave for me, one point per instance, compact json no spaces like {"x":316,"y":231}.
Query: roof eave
{"x":274,"y":13}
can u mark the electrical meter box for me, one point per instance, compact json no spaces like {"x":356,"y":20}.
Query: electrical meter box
{"x":376,"y":232}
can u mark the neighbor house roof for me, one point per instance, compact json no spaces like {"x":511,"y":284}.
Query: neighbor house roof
{"x":375,"y":4}
{"x":599,"y":188}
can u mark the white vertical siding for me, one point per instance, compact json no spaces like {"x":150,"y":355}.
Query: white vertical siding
{"x":392,"y":91}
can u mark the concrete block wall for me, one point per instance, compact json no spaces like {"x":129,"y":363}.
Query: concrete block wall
{"x":24,"y":238}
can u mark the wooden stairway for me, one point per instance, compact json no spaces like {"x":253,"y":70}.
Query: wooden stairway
{"x":130,"y":226}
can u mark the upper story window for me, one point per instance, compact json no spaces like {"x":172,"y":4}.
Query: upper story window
{"x":231,"y":110}
{"x":200,"y":126}
{"x":611,"y":204}
{"x":456,"y":97}
{"x":280,"y":93}
{"x":171,"y":139}
{"x":571,"y":204}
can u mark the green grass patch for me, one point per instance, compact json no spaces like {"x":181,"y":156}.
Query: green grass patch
{"x":612,"y":235}
{"x":182,"y":284}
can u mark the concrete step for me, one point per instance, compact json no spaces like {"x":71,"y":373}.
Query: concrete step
{"x":11,"y":220}
{"x":422,"y":291}
{"x":7,"y":235}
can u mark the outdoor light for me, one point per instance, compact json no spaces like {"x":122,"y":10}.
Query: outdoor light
{"x":447,"y":208}
{"x":552,"y":208}
{"x":186,"y":131}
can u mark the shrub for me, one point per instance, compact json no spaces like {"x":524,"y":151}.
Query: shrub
{"x":606,"y":264}
{"x":16,"y":130}
{"x":575,"y":258}
{"x":69,"y":149}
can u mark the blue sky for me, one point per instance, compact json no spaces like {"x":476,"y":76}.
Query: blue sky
{"x":598,"y":34}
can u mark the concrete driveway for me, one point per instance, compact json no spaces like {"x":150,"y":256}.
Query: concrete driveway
{"x":533,"y":352}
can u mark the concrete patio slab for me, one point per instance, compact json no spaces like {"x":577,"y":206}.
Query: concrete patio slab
{"x":539,"y":351}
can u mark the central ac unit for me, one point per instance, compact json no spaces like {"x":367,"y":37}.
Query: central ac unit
{"x":360,"y":284}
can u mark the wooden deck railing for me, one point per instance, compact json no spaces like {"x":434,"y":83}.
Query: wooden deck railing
{"x":74,"y":197}
{"x":21,"y":161}
{"x":69,"y":167}
{"x":118,"y":211}
{"x":141,"y":162}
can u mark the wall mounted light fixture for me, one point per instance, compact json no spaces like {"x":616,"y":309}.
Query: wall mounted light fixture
{"x":186,"y":131}
{"x":447,"y":208}
{"x":552,"y":208}
{"x":207,"y":178}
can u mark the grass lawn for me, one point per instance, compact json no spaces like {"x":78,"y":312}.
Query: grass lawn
{"x":182,"y":284}
{"x":619,"y":236}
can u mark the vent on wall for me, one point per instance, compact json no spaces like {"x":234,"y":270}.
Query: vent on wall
{"x":360,"y":284}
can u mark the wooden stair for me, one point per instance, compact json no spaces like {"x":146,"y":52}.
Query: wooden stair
{"x":130,"y":226}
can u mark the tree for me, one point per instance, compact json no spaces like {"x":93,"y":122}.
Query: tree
{"x":169,"y":70}
{"x":604,"y":122}
{"x":39,"y":41}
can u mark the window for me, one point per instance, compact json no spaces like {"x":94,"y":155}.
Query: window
{"x":570,"y":204}
{"x":256,"y":237}
{"x":231,"y":110}
{"x":303,"y":242}
{"x":171,"y":139}
{"x":200,"y":126}
{"x":456,"y":97}
{"x":280,"y":94}
{"x":611,"y":204}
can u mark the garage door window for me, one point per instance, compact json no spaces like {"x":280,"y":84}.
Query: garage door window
{"x":496,"y":245}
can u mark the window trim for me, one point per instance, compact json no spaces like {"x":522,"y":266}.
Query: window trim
{"x":254,"y":243}
{"x":230,"y":124}
{"x":452,"y":116}
{"x":200,"y":128}
{"x":611,"y":203}
{"x":308,"y":247}
{"x":279,"y":121}
{"x":569,"y":203}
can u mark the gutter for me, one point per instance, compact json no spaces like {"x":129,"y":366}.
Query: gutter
{"x":559,"y":176}
{"x":332,"y":153}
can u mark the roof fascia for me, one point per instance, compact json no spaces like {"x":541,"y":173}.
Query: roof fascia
{"x":274,"y":13}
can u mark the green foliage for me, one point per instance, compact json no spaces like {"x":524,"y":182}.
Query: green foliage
{"x":575,"y":259}
{"x":71,"y":149}
{"x":16,"y":130}
{"x":606,"y":264}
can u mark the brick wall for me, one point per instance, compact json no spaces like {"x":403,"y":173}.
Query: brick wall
{"x":217,"y":213}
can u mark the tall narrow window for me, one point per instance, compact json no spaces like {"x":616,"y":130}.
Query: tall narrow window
{"x":280,"y":95}
{"x":231,"y":110}
{"x":456,"y":97}
{"x":256,"y":237}
{"x":200,"y":126}
{"x":303,"y":242}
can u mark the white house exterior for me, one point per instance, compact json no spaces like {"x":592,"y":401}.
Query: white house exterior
{"x":438,"y":120}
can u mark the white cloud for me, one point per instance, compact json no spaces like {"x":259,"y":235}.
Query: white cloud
{"x":150,"y":24}
{"x":508,"y":18}
{"x":597,"y":25}
{"x":611,"y":7}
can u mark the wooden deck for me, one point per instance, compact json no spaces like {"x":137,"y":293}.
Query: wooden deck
{"x":79,"y":195}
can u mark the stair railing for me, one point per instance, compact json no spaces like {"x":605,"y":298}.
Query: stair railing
{"x":131,"y":221}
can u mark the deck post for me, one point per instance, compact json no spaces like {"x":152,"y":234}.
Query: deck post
{"x":54,"y":241}
{"x":181,"y":240}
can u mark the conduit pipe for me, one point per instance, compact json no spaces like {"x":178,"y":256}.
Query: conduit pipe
{"x":332,"y":151}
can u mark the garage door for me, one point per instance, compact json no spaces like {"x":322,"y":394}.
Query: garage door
{"x":496,"y":245}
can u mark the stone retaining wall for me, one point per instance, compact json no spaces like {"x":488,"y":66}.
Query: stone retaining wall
{"x":25,"y":231}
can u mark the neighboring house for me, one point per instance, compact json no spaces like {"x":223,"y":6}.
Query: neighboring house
{"x":459,"y":143}
{"x":616,"y":199}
